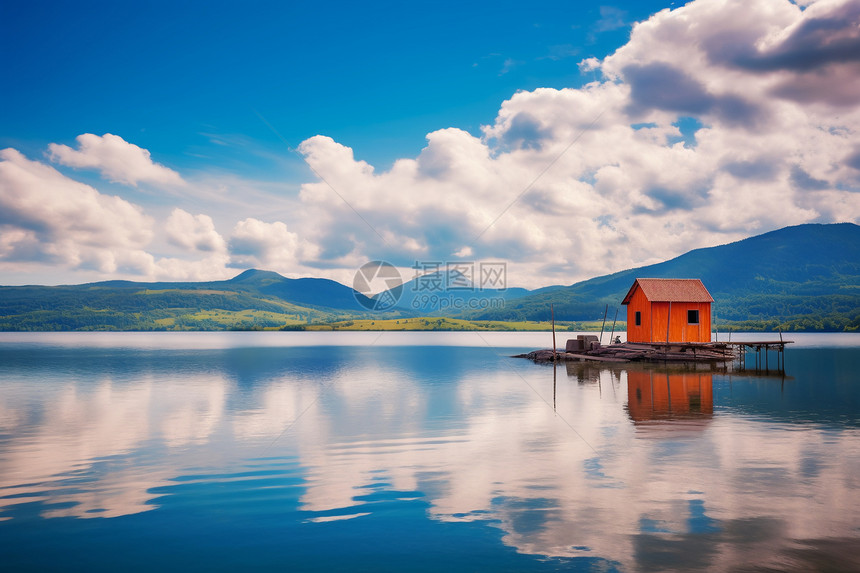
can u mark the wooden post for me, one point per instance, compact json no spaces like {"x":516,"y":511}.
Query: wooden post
{"x":716,"y":330}
{"x":613,"y":326}
{"x":780,"y":350}
{"x":552,"y":318}
{"x":602,"y":326}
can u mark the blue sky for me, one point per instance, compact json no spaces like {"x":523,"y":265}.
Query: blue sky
{"x":307,"y":138}
{"x":377,"y":77}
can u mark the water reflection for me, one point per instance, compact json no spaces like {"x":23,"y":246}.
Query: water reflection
{"x":325,"y":438}
{"x":669,"y":402}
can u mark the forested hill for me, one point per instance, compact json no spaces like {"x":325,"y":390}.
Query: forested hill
{"x":804,"y":277}
{"x":253,"y":299}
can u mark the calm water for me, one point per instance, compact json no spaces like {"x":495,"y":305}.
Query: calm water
{"x":418,"y":451}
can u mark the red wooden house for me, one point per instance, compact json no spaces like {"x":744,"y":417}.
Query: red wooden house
{"x":668,"y":310}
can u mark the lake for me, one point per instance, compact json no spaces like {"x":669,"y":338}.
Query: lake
{"x":419,"y":452}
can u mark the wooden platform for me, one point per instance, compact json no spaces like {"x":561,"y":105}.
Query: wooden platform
{"x":762,"y":361}
{"x":678,"y":352}
{"x":637,"y":352}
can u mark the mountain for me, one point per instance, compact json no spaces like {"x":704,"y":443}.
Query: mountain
{"x":805,"y":278}
{"x":442,"y":293}
{"x":803,"y":271}
{"x":305,"y":291}
{"x":253,"y":299}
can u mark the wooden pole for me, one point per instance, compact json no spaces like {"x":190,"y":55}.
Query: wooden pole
{"x":781,"y":351}
{"x":613,"y":326}
{"x":716,"y":329}
{"x":602,"y":326}
{"x":552,"y":317}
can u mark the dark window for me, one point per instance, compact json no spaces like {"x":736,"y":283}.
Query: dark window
{"x":638,"y":318}
{"x":692,"y":317}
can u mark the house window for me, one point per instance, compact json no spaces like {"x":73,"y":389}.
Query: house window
{"x":692,"y":317}
{"x":638,"y":318}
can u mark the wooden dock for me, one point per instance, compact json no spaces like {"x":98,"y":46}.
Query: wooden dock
{"x":762,"y":359}
{"x":675,"y":352}
{"x":630,"y":352}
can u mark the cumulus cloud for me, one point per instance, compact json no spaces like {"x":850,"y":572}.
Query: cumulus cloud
{"x":715,"y":121}
{"x":46,"y":217}
{"x":50,"y":221}
{"x":213,"y":266}
{"x":255,"y":243}
{"x":193,"y":232}
{"x":117,"y":159}
{"x":571,"y":183}
{"x":828,"y":34}
{"x":663,"y":87}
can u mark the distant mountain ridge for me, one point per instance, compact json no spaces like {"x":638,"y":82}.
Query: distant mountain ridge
{"x":313,"y":292}
{"x":252,"y":299}
{"x":802,"y":277}
{"x":811,"y":269}
{"x":450,"y":291}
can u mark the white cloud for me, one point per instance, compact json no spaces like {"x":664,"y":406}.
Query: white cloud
{"x":610,"y":19}
{"x":589,"y":65}
{"x":117,"y":159}
{"x":49,"y":221}
{"x":193,"y":232}
{"x":48,"y":218}
{"x":272,"y":246}
{"x":567,"y":184}
{"x":716,"y":121}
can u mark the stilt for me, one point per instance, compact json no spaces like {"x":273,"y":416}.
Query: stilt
{"x":611,"y":334}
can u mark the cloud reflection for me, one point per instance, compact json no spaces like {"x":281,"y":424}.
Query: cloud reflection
{"x":654,"y":476}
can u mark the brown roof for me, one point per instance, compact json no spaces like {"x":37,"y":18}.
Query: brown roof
{"x":670,"y":290}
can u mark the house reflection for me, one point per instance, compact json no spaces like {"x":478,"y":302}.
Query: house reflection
{"x":665,"y":395}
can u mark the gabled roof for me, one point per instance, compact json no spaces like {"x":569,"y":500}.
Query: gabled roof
{"x":670,"y":290}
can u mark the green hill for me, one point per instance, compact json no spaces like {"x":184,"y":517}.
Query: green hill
{"x":444,"y":293}
{"x":798,"y":278}
{"x":254,"y":299}
{"x":805,"y":277}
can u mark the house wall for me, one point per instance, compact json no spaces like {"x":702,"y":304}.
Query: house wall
{"x":641,"y":333}
{"x":656,"y":314}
